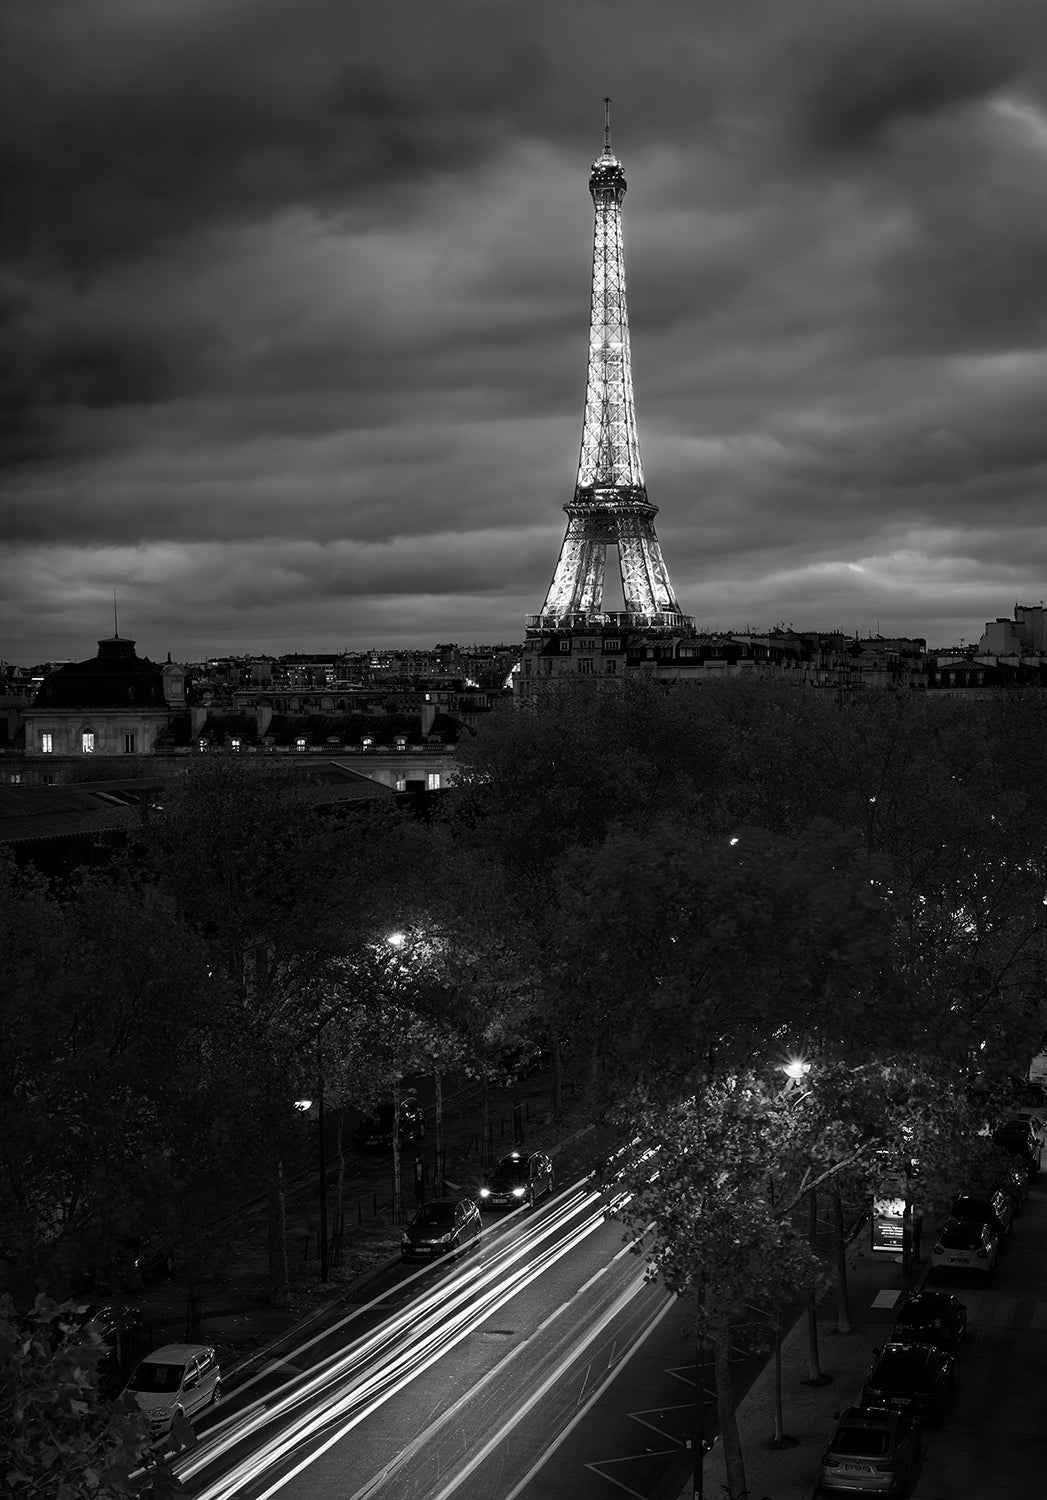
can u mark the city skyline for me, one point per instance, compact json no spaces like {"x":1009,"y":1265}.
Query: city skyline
{"x":297,"y":303}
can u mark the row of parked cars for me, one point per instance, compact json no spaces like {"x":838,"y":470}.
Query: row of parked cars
{"x":876,"y":1445}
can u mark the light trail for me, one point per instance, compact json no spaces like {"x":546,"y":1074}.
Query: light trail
{"x":356,"y":1382}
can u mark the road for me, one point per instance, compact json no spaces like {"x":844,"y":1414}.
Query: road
{"x":993,"y":1443}
{"x":448,"y":1376}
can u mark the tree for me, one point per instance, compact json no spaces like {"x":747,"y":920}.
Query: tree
{"x":62,"y":1440}
{"x":708,"y":1174}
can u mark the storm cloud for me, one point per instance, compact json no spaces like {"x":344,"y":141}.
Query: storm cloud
{"x":294,"y":301}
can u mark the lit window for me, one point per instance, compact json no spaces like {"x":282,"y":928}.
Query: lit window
{"x":432,"y":781}
{"x":15,"y":778}
{"x":87,"y":742}
{"x":235,"y":744}
{"x":401,"y":783}
{"x":367,"y":742}
{"x":130,"y":742}
{"x":401,"y":742}
{"x":47,"y":743}
{"x":299,"y":743}
{"x":201,"y":745}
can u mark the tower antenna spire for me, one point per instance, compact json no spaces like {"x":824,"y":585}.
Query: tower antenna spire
{"x":116,"y":628}
{"x":607,"y":125}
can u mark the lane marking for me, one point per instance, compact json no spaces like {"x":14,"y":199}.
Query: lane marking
{"x":596,"y":1469}
{"x":597,"y":1393}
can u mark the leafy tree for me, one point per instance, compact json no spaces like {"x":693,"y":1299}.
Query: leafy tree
{"x":62,"y":1441}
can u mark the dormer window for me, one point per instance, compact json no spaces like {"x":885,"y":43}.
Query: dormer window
{"x":401,"y":742}
{"x":87,"y":742}
{"x":47,"y":743}
{"x":367,"y":742}
{"x":201,"y":745}
{"x":299,"y":743}
{"x":235,"y":743}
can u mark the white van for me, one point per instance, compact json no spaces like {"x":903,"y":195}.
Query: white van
{"x":178,"y":1379}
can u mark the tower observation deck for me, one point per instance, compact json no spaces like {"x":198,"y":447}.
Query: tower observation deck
{"x":610,"y":506}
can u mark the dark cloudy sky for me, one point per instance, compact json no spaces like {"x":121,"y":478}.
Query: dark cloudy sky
{"x":295,"y":296}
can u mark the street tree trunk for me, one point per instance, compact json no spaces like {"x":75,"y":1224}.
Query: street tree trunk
{"x":814,"y":1367}
{"x":397,"y":1180}
{"x":279,"y":1278}
{"x":727,"y":1415}
{"x":554,"y":1044}
{"x":439,"y":1145}
{"x":843,"y":1306}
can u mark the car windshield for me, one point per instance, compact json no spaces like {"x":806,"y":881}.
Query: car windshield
{"x":509,"y":1174}
{"x":977,"y":1210}
{"x":150,"y":1377}
{"x":868,"y":1441}
{"x":436,"y":1213}
{"x":901,"y":1368}
{"x":961,"y":1234}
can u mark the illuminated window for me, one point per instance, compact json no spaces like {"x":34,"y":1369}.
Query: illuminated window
{"x":130,"y":742}
{"x":87,"y":742}
{"x":201,"y":745}
{"x":367,"y":742}
{"x":47,"y":743}
{"x":401,"y":783}
{"x":299,"y":743}
{"x":235,"y":744}
{"x":401,"y":742}
{"x":432,"y":781}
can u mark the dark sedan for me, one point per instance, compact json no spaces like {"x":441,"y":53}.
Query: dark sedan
{"x":936,"y":1318}
{"x":912,"y":1377}
{"x":446,"y":1226}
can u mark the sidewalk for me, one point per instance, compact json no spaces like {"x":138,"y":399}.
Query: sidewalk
{"x":876,"y":1285}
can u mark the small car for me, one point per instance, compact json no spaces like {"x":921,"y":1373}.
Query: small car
{"x":935,"y":1318}
{"x":1014,"y":1182}
{"x":518,"y":1179}
{"x":175,"y":1380}
{"x":444,"y":1226}
{"x":872,"y":1451}
{"x":980,"y":1207}
{"x":964,"y":1246}
{"x":1035,"y":1121}
{"x":914,"y":1377}
{"x":377,"y":1129}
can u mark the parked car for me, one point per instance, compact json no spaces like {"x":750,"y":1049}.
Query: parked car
{"x":980,"y":1207}
{"x":1014,"y":1182}
{"x":176,"y":1380}
{"x":963,"y":1246}
{"x":873,"y":1451}
{"x":377,"y":1129}
{"x":1019,"y":1138}
{"x":1035,"y":1121}
{"x":916,"y":1377}
{"x":936,"y":1318}
{"x":519,"y":1178}
{"x":445,"y":1226}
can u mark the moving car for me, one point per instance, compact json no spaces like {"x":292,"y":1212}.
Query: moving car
{"x":445,"y":1226}
{"x":872,"y":1451}
{"x":176,"y":1380}
{"x":377,"y":1129}
{"x":981,"y":1207}
{"x":964,"y":1246}
{"x":519,"y":1178}
{"x":915,"y":1377}
{"x":935,"y":1318}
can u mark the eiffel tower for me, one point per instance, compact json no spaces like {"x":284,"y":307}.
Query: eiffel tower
{"x":610,"y":506}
